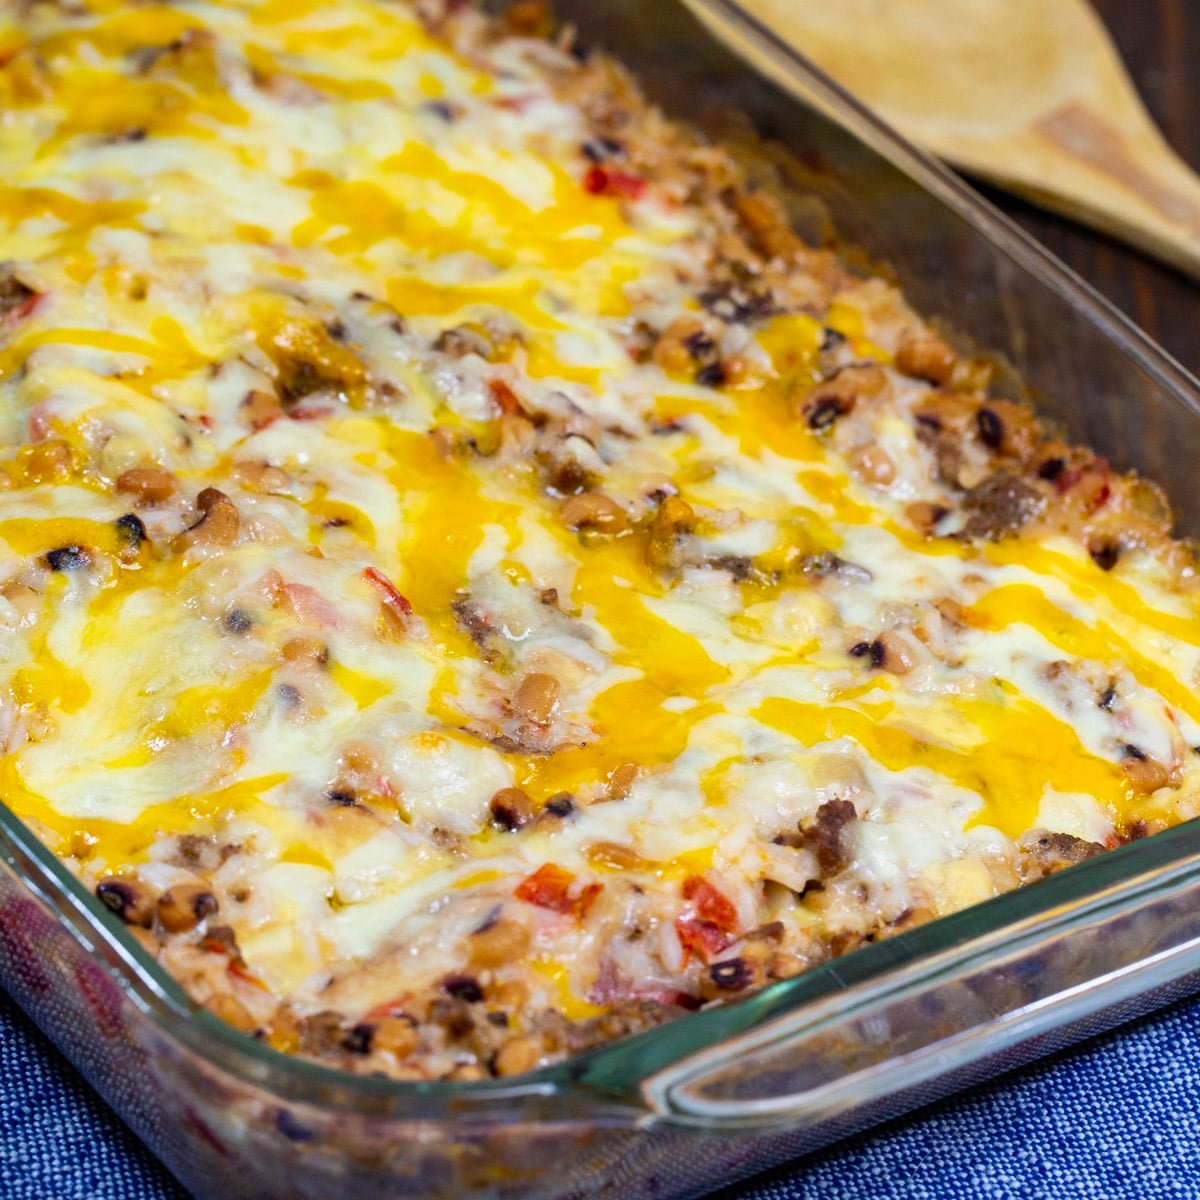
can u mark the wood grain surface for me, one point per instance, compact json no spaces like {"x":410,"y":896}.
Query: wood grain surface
{"x":1160,"y":42}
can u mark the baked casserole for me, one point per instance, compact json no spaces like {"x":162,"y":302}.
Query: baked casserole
{"x":476,"y":584}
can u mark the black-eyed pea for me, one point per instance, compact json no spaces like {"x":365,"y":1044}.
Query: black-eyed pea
{"x":929,"y":358}
{"x":613,"y":855}
{"x":128,"y":897}
{"x":184,"y":906}
{"x":147,"y":485}
{"x":517,"y":1055}
{"x":621,"y":780}
{"x":537,"y":697}
{"x":261,"y":477}
{"x":595,"y":512}
{"x":499,"y":942}
{"x":1145,"y":774}
{"x":306,"y":650}
{"x":511,"y":808}
{"x":674,"y":350}
{"x":232,"y":1011}
{"x":782,"y":965}
{"x":873,"y":464}
{"x":894,"y":653}
{"x":509,"y":993}
{"x":219,"y":522}
{"x":395,"y":1035}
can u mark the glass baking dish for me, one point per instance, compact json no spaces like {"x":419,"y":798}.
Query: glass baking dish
{"x":731,"y":1090}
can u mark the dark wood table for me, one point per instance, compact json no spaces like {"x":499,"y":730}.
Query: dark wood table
{"x":1160,"y":42}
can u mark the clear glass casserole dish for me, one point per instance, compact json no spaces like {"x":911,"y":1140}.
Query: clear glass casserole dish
{"x":730,"y":1090}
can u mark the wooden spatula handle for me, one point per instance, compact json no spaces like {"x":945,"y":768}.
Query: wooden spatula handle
{"x":1126,"y":181}
{"x":1029,"y":95}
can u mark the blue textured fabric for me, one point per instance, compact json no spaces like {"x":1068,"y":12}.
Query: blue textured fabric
{"x":1116,"y":1120}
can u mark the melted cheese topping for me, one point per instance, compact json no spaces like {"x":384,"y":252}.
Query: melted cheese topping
{"x":212,"y":202}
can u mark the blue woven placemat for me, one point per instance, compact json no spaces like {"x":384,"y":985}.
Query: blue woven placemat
{"x":1116,"y":1120}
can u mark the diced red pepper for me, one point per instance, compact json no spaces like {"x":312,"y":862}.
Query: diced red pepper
{"x":391,"y":596}
{"x":550,"y":887}
{"x":702,"y":938}
{"x":710,"y":904}
{"x":607,"y":181}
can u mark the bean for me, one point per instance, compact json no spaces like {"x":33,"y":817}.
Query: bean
{"x":612,"y":855}
{"x":219,"y":525}
{"x":503,"y":941}
{"x":258,"y":409}
{"x":149,"y":485}
{"x":1145,"y":774}
{"x":305,"y":650}
{"x":511,"y":808}
{"x":594,"y":511}
{"x":766,"y":226}
{"x":894,"y":654}
{"x":782,"y":965}
{"x":128,"y":897}
{"x":510,"y":994}
{"x":261,"y":477}
{"x":395,"y":1035}
{"x":673,"y":350}
{"x":537,"y":697}
{"x":873,"y":464}
{"x":929,"y":358}
{"x":232,"y":1011}
{"x":517,"y":1055}
{"x":184,"y":906}
{"x":621,"y":780}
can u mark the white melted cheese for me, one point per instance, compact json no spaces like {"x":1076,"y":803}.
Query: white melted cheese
{"x":199,"y":211}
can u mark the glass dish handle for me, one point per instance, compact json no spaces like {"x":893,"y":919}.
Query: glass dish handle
{"x":926,"y":1025}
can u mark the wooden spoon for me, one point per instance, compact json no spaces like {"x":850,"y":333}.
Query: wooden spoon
{"x":1029,"y":94}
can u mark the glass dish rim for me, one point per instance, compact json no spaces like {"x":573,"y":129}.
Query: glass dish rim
{"x":607,"y":1082}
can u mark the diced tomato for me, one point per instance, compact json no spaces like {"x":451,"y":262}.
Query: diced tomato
{"x":310,"y":606}
{"x":703,"y":938}
{"x":547,"y":887}
{"x":391,"y":596}
{"x":389,"y":1008}
{"x":41,"y":423}
{"x":310,"y":413}
{"x":607,"y":181}
{"x":239,"y":970}
{"x":550,"y":887}
{"x":505,"y":398}
{"x":516,"y":104}
{"x":587,"y":897}
{"x":24,"y":310}
{"x":710,"y":904}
